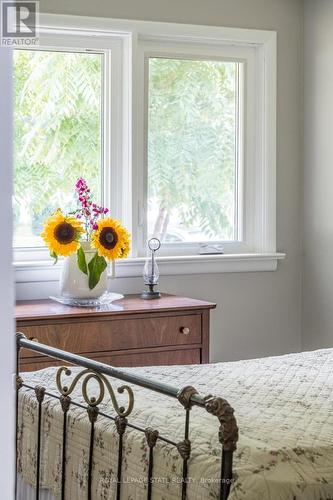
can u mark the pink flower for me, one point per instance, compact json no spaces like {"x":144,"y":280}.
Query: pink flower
{"x":89,"y":211}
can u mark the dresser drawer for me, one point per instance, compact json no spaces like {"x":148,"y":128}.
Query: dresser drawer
{"x":172,"y":357}
{"x":153,"y":358}
{"x":101,"y":336}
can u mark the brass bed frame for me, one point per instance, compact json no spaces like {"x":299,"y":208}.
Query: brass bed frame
{"x":187,"y":397}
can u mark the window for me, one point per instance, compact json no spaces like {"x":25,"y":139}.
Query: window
{"x":193,"y":131}
{"x":200,"y":181}
{"x":172,"y":125}
{"x":67,"y":124}
{"x":58,"y":132}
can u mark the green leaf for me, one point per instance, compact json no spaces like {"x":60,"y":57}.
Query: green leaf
{"x":81,"y":261}
{"x":55,"y":257}
{"x":96,"y":266}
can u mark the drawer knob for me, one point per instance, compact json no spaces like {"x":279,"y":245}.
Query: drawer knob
{"x":184,"y":330}
{"x":33,"y":339}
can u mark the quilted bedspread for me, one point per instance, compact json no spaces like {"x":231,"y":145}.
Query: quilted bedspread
{"x":284,"y":409}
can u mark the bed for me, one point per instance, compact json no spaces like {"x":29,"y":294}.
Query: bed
{"x":158,"y":437}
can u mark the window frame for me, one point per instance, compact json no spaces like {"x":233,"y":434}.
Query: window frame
{"x":113,"y":101}
{"x":129,"y":155}
{"x":221,"y":52}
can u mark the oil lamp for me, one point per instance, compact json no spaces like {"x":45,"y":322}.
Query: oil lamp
{"x":151,"y":272}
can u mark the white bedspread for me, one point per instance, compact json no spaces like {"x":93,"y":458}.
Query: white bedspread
{"x":284,"y":409}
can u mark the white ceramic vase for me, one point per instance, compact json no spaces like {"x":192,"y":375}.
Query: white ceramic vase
{"x":74,"y":283}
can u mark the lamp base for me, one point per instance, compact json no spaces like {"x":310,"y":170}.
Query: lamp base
{"x":151,"y":293}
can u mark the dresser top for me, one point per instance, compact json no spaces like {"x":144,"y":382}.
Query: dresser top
{"x":130,"y":304}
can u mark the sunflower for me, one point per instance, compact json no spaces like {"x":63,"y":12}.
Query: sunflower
{"x":62,"y":234}
{"x":111,"y":239}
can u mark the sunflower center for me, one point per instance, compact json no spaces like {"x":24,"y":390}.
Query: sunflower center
{"x":64,"y":233}
{"x":108,"y":238}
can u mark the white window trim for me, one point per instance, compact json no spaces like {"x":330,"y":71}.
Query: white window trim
{"x":248,"y":211}
{"x":115,"y":98}
{"x":132,"y":34}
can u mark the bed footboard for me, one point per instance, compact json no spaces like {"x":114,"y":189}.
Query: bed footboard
{"x":188,"y":397}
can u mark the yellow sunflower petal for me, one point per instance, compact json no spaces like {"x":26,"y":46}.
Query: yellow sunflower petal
{"x":111,"y":239}
{"x":61,"y":234}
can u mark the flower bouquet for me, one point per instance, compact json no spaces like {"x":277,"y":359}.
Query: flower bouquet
{"x":88,"y":239}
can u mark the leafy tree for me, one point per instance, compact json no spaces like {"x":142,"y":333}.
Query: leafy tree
{"x":57,"y":128}
{"x":191,"y":143}
{"x":191,"y":140}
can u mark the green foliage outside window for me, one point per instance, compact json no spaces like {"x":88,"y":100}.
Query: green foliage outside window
{"x":57,"y":103}
{"x":191,"y":146}
{"x":191,"y":141}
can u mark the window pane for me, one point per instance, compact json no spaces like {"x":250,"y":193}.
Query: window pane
{"x":57,"y":134}
{"x":192,"y":141}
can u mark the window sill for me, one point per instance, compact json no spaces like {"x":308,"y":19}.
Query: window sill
{"x":42,"y":271}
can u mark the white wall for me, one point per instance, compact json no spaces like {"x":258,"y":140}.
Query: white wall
{"x":318,"y":175}
{"x":258,"y":314}
{"x":7,"y":348}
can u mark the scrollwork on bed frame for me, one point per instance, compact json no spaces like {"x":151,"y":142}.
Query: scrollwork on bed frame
{"x":103,"y":384}
{"x":98,"y":372}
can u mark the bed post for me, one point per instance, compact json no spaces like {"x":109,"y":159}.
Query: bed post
{"x":65,"y":402}
{"x":184,"y":447}
{"x":93,"y":412}
{"x":151,"y":437}
{"x":121,"y":424}
{"x":19,"y":383}
{"x":40,"y":395}
{"x":228,"y":437}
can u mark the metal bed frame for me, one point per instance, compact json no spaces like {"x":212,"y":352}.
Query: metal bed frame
{"x":187,"y":397}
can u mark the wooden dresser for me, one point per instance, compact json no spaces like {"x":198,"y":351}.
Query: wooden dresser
{"x":129,"y":332}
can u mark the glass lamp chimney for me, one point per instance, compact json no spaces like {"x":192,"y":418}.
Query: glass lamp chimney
{"x":150,"y":271}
